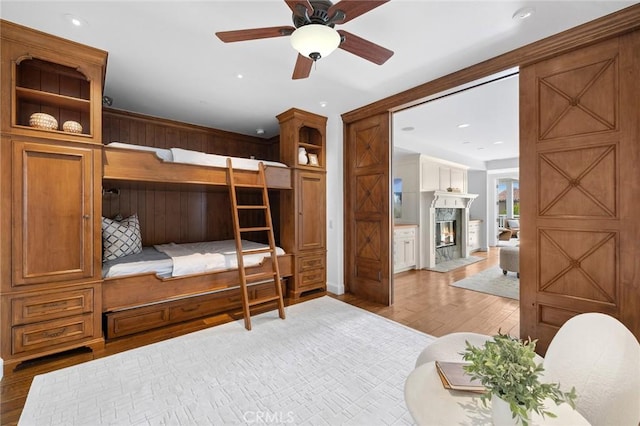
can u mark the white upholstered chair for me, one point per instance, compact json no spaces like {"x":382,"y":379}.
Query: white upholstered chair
{"x":598,"y":355}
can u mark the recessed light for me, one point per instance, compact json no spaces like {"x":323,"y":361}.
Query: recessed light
{"x":463,"y":125}
{"x":323,"y":104}
{"x":523,"y":13}
{"x":408,"y":129}
{"x":498,"y":142}
{"x":239,"y":76}
{"x":260,"y":131}
{"x":75,"y":20}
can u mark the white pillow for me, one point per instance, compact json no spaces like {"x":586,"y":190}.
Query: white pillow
{"x":513,"y":223}
{"x":120,"y":238}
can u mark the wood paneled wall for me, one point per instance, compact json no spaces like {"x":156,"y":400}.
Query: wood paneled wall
{"x":180,"y":215}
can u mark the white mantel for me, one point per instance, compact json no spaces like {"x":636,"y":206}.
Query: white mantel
{"x":449,"y":200}
{"x":432,"y":200}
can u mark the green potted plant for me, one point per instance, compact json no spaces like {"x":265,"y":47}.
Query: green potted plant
{"x":506,"y":367}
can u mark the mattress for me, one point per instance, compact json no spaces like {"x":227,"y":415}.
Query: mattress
{"x":153,"y":260}
{"x":185,"y":156}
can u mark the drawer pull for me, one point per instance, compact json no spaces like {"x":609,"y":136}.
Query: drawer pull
{"x":54,"y":304}
{"x":56,"y":334}
{"x":190,"y":309}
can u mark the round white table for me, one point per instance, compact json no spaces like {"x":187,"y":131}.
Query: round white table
{"x":431,"y":404}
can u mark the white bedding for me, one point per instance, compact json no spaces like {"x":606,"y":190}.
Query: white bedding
{"x":185,"y":156}
{"x":190,"y":258}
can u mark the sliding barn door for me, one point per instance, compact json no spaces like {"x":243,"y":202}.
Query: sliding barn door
{"x":580,"y":187}
{"x":367,"y":214}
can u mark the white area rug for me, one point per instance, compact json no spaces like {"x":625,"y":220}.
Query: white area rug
{"x":450,"y":265}
{"x":493,"y":281}
{"x":328,"y":363}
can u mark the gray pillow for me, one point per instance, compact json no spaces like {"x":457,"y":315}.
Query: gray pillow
{"x":513,"y":223}
{"x":120,"y":238}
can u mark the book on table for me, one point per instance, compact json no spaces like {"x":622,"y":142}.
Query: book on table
{"x":454,"y":377}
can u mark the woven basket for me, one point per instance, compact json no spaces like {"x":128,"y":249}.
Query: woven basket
{"x":40,"y":120}
{"x":72,"y":127}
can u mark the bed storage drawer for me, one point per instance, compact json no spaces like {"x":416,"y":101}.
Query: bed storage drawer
{"x":132,"y":321}
{"x":201,"y":306}
{"x":29,"y":309}
{"x":48,"y":334}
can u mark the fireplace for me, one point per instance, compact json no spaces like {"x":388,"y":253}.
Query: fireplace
{"x":445,"y":233}
{"x":444,"y":226}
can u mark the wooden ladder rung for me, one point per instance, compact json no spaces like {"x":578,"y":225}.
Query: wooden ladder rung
{"x":257,"y":228}
{"x":263,"y":300}
{"x":254,"y":278}
{"x":248,"y":185}
{"x":252,"y":207}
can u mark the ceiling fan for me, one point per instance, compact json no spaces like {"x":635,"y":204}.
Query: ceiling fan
{"x":313,"y":34}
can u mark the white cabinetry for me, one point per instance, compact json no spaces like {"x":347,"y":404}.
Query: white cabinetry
{"x":404,"y":248}
{"x":437,"y":176}
{"x":474,"y":235}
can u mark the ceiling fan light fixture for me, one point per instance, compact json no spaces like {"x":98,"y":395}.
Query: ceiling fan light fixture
{"x":315,"y":41}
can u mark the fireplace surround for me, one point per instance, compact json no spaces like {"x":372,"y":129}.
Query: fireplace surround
{"x":443,"y":206}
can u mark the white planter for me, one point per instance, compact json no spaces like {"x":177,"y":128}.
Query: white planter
{"x":501,"y":414}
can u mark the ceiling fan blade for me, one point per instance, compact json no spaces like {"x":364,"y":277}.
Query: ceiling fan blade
{"x":353,"y":8}
{"x":293,"y":5}
{"x":303,"y":67}
{"x":364,"y":48}
{"x":254,"y":33}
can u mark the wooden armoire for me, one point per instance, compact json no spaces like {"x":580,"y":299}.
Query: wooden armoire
{"x":303,"y":209}
{"x":50,"y":180}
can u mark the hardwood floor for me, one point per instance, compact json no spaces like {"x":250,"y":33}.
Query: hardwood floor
{"x":424,"y":300}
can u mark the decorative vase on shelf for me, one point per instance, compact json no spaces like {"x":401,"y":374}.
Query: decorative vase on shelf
{"x":302,"y":156}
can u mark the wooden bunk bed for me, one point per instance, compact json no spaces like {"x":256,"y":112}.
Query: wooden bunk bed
{"x":134,"y":303}
{"x":122,"y":166}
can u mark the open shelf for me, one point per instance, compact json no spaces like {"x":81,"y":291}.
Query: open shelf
{"x":60,"y":91}
{"x":52,"y":99}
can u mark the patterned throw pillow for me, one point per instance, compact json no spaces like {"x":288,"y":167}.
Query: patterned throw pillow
{"x":120,"y":238}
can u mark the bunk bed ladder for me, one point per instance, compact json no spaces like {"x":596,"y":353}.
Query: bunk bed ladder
{"x":245,"y":279}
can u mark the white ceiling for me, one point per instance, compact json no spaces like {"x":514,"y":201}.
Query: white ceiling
{"x":469,"y":126}
{"x":165,"y":61}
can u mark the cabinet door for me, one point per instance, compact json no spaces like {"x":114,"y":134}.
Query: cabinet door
{"x":311,"y":211}
{"x":445,"y":178}
{"x":52,"y":210}
{"x":410,"y":251}
{"x":457,"y":179}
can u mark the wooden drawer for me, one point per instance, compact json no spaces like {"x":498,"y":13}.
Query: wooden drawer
{"x":48,"y":334}
{"x":201,"y":306}
{"x":404,"y":232}
{"x":313,"y":278}
{"x":134,"y":320}
{"x":309,"y":263}
{"x":30,"y":309}
{"x":264,"y":290}
{"x":130,"y":321}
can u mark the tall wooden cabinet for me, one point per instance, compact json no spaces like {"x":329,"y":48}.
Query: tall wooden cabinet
{"x":50,"y":250}
{"x":303,"y":210}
